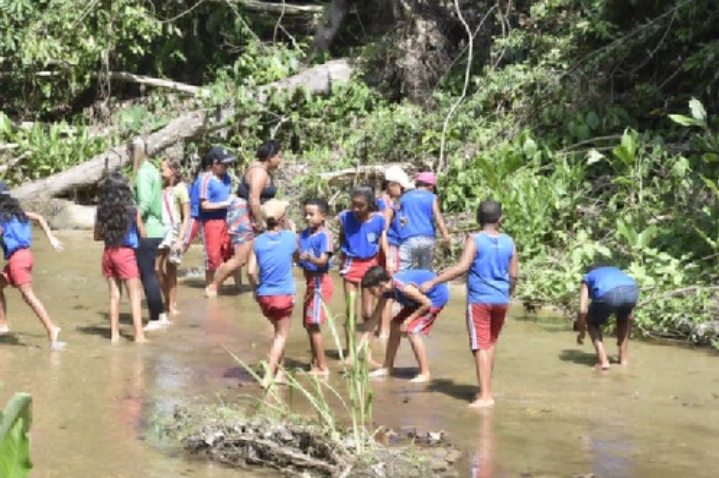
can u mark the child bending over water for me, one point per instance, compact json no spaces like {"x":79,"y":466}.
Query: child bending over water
{"x":270,"y":274}
{"x":612,"y":292}
{"x":16,"y":233}
{"x":119,"y":225}
{"x":419,"y":311}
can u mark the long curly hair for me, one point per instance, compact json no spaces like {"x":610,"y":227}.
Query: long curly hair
{"x":115,"y":209}
{"x":10,"y":209}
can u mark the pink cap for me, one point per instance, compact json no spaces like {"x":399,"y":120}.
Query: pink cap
{"x":427,"y":177}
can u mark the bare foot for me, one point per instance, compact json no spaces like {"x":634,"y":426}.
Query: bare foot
{"x":482,"y":403}
{"x":602,"y":366}
{"x":420,"y":378}
{"x":280,"y":378}
{"x":141,"y":340}
{"x":383,"y":335}
{"x":115,"y":339}
{"x":4,"y":329}
{"x":210,"y":292}
{"x":173,"y":310}
{"x":374,"y":364}
{"x":380,"y":373}
{"x":318,"y":372}
{"x":54,"y":333}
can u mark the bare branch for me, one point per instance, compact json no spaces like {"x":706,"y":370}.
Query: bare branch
{"x":281,"y":8}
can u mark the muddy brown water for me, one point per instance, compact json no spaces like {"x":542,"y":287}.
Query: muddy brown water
{"x":94,"y":403}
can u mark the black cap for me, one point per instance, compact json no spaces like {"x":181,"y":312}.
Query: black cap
{"x":221,"y":155}
{"x":4,"y":188}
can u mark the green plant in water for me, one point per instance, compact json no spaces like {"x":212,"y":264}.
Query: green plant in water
{"x":14,"y":443}
{"x":318,"y":392}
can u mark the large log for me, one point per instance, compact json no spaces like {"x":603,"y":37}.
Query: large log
{"x":317,"y":80}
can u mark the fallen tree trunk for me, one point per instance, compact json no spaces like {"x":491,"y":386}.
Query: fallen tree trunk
{"x":318,"y":80}
{"x":353,"y":174}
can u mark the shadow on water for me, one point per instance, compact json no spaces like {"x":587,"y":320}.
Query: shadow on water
{"x":578,"y":357}
{"x":12,"y":339}
{"x":460,"y":391}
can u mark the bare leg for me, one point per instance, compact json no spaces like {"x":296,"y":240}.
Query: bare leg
{"x":4,"y":327}
{"x":318,"y":349}
{"x":420,"y":353}
{"x":239,"y":259}
{"x":114,"y":289}
{"x":133,"y":292}
{"x":277,"y":351}
{"x":395,"y":336}
{"x":237,"y":277}
{"x":595,"y":333}
{"x":160,"y":264}
{"x":386,"y":319}
{"x":368,"y":303}
{"x":171,"y":278}
{"x":624,"y":329}
{"x":484,"y":361}
{"x":31,"y":299}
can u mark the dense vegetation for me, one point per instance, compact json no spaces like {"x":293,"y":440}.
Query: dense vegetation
{"x":593,"y":121}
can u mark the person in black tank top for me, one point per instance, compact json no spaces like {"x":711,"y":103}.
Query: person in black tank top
{"x":256,"y":187}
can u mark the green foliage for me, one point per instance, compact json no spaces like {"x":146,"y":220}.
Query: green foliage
{"x":14,"y":443}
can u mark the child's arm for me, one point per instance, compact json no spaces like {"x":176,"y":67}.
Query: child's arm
{"x":38,"y":219}
{"x":461,"y":267}
{"x":446,"y":240}
{"x":413,"y":293}
{"x":252,"y":272}
{"x":582,"y":314}
{"x":96,"y":232}
{"x":370,"y":325}
{"x":141,"y":231}
{"x":513,"y":272}
{"x":341,"y":237}
{"x":185,"y":224}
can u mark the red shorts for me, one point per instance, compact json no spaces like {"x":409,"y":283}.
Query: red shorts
{"x":484,"y":323}
{"x":277,"y":307}
{"x":192,"y":230}
{"x":218,"y":247}
{"x":353,"y":269}
{"x":319,"y":288}
{"x":420,"y":325}
{"x":18,"y":270}
{"x":120,"y":263}
{"x":392,"y":261}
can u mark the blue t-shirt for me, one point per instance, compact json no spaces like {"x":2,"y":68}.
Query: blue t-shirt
{"x":274,"y":251}
{"x":393,"y":231}
{"x":416,"y":206}
{"x":195,"y":196}
{"x":488,"y":279}
{"x":316,"y":244}
{"x":15,"y":235}
{"x":215,"y":190}
{"x":439,"y":294}
{"x":603,"y":279}
{"x":361,"y":239}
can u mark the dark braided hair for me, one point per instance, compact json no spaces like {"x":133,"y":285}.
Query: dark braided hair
{"x":115,"y":209}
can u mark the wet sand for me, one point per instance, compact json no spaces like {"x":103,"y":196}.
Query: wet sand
{"x":555,"y":415}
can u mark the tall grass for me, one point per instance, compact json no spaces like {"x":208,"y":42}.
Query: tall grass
{"x":318,"y":392}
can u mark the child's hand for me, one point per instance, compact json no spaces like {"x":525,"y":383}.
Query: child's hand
{"x":446,"y":242}
{"x":56,"y":244}
{"x":305,"y":257}
{"x":424,"y":288}
{"x":403,"y":328}
{"x":580,"y":338}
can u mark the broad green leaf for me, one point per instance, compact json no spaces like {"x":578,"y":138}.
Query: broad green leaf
{"x":14,"y":442}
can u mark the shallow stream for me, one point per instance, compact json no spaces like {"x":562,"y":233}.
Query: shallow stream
{"x":555,"y":415}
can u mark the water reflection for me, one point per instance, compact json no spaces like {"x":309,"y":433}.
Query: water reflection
{"x":483,"y":461}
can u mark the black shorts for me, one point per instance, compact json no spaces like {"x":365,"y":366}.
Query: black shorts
{"x":620,"y":301}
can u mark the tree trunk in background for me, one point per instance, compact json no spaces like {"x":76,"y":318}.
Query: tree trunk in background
{"x":317,"y":80}
{"x":329,"y":25}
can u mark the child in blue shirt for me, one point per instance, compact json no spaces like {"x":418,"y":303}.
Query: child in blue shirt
{"x":612,"y":292}
{"x":315,"y":259}
{"x":419,"y":311}
{"x":16,"y":234}
{"x":270,"y":274}
{"x":420,"y":210}
{"x":491,"y":259}
{"x":362,"y":236}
